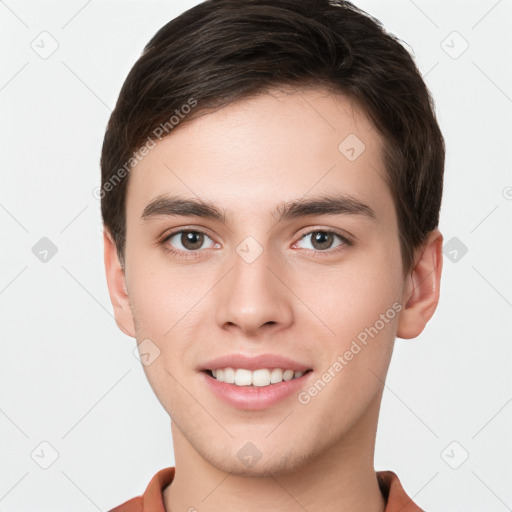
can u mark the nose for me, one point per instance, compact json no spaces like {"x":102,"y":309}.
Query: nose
{"x":252,"y":298}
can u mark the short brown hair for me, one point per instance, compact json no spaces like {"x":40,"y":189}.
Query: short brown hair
{"x":221,"y":51}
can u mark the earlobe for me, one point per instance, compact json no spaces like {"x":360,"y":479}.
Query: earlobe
{"x":421,"y":290}
{"x":116,"y":283}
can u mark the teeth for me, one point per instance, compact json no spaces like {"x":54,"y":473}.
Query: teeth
{"x":261,"y":378}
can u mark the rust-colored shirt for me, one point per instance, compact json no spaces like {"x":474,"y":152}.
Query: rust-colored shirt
{"x":152,"y":499}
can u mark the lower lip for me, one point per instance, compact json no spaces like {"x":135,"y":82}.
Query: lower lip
{"x":255,"y":398}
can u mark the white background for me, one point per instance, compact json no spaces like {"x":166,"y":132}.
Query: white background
{"x":68,"y":376}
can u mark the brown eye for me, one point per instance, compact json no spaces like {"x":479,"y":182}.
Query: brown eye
{"x":192,"y":240}
{"x":323,"y":240}
{"x":189,"y":241}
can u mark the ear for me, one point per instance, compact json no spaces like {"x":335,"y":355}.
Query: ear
{"x":117,"y":286}
{"x":421,"y":289}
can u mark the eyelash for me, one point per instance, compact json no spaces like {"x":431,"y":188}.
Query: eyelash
{"x":178,"y":253}
{"x":346,"y":242}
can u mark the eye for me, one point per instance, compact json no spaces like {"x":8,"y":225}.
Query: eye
{"x":188,"y":240}
{"x":323,"y":240}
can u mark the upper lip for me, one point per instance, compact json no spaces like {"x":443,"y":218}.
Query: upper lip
{"x":254,"y":362}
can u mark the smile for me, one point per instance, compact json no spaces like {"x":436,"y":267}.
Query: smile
{"x":260,"y":378}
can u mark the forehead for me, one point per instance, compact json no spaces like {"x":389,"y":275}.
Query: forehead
{"x":278,"y":145}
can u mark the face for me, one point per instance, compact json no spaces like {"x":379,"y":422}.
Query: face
{"x":297,"y":255}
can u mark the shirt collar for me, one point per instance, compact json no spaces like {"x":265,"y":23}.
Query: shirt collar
{"x":394,"y":494}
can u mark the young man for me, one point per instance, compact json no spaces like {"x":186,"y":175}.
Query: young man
{"x":271,"y":185}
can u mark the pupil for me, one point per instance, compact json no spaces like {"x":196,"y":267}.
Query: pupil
{"x":192,"y":240}
{"x":322,"y":240}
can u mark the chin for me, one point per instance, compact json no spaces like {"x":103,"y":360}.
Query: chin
{"x":278,"y":465}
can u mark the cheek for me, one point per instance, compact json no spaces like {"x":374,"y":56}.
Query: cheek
{"x":163,"y":298}
{"x":360,"y":305}
{"x":163,"y":309}
{"x":354,"y":296}
{"x":363,"y":315}
{"x":167,"y":305}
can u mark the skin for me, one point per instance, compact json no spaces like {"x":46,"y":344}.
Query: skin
{"x":295,"y":299}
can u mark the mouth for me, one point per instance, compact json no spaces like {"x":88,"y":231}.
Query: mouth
{"x":261,"y":378}
{"x":256,"y":390}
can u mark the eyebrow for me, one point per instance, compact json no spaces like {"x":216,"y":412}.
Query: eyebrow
{"x":337,"y":204}
{"x":174,"y":205}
